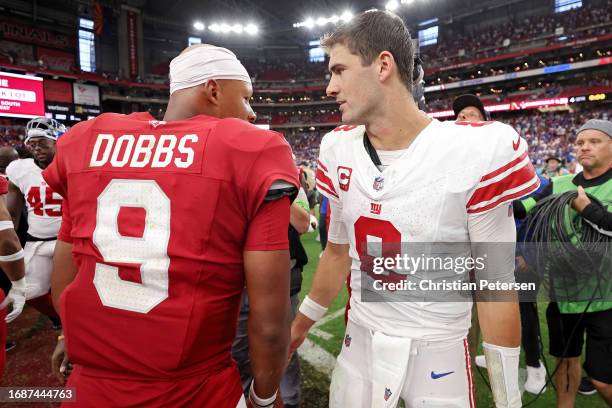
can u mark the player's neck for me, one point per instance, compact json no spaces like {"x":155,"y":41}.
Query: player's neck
{"x":41,"y":165}
{"x":182,"y":109}
{"x":173,"y":114}
{"x":397,"y":126}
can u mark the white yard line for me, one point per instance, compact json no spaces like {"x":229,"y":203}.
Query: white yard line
{"x":320,"y":359}
{"x":321,"y":334}
{"x":329,"y":317}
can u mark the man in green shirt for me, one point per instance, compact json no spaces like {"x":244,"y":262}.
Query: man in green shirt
{"x":566,"y":322}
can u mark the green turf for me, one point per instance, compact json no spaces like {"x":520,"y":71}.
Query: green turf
{"x":336,"y":328}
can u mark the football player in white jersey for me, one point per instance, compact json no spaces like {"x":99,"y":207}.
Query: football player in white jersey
{"x":394,"y":175}
{"x":44,"y":209}
{"x":11,"y":262}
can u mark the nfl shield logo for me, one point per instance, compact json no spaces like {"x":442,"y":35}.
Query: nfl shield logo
{"x":155,"y":123}
{"x":387,"y":394}
{"x":347,"y":340}
{"x":379,"y":183}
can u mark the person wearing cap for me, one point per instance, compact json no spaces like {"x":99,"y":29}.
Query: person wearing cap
{"x":553,"y":168}
{"x":469,"y":108}
{"x":164,"y":223}
{"x":569,"y":320}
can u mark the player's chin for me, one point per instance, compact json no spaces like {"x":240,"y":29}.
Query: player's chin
{"x":348,"y":119}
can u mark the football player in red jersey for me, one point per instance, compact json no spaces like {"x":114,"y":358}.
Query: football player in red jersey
{"x":165,"y":221}
{"x":11,"y":261}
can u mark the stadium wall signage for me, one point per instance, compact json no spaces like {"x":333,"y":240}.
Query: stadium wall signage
{"x":21,"y":96}
{"x":35,"y":35}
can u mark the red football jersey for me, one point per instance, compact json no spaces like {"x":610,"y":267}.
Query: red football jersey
{"x":159,"y":213}
{"x":3,"y":185}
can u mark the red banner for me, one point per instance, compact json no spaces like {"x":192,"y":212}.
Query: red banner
{"x":21,"y":96}
{"x":12,"y":30}
{"x":56,"y":60}
{"x":132,"y":34}
{"x":58,"y":91}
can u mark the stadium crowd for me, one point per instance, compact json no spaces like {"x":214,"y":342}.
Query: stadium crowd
{"x":455,"y":46}
{"x":549,"y":134}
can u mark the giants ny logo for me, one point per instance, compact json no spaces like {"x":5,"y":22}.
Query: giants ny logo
{"x":344,"y":177}
{"x":375,"y":208}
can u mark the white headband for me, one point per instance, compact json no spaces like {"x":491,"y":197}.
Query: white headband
{"x":38,"y":133}
{"x":201,"y":63}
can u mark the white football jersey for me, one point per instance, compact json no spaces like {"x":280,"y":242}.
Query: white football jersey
{"x":451,"y":170}
{"x":43,"y":204}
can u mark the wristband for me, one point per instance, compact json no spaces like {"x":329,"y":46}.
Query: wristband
{"x":502,"y":364}
{"x":4,"y":225}
{"x":312,"y":309}
{"x":13,"y":257}
{"x":261,"y":403}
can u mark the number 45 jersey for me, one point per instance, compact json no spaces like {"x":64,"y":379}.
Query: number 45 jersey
{"x":451,"y":171}
{"x":158,"y":215}
{"x":44,"y":206}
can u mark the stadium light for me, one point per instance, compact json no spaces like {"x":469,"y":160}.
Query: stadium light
{"x":346,"y":16}
{"x":224,"y":28}
{"x":198,"y":25}
{"x":251,"y":29}
{"x":322,"y":21}
{"x":392,"y":5}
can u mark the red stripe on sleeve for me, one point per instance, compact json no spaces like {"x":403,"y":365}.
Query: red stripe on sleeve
{"x":322,"y":165}
{"x":526,"y":191}
{"x":324,"y":188}
{"x":513,"y":180}
{"x":504,"y":168}
{"x":326,"y":182}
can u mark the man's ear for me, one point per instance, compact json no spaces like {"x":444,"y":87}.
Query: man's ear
{"x":212,"y":91}
{"x":386,"y":65}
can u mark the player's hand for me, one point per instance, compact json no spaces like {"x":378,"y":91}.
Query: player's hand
{"x":314,"y":223}
{"x":16,"y":297}
{"x":60,"y":363}
{"x":579,"y":203}
{"x":298,"y":335}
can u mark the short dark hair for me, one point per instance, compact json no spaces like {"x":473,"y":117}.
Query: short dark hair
{"x":372,"y":32}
